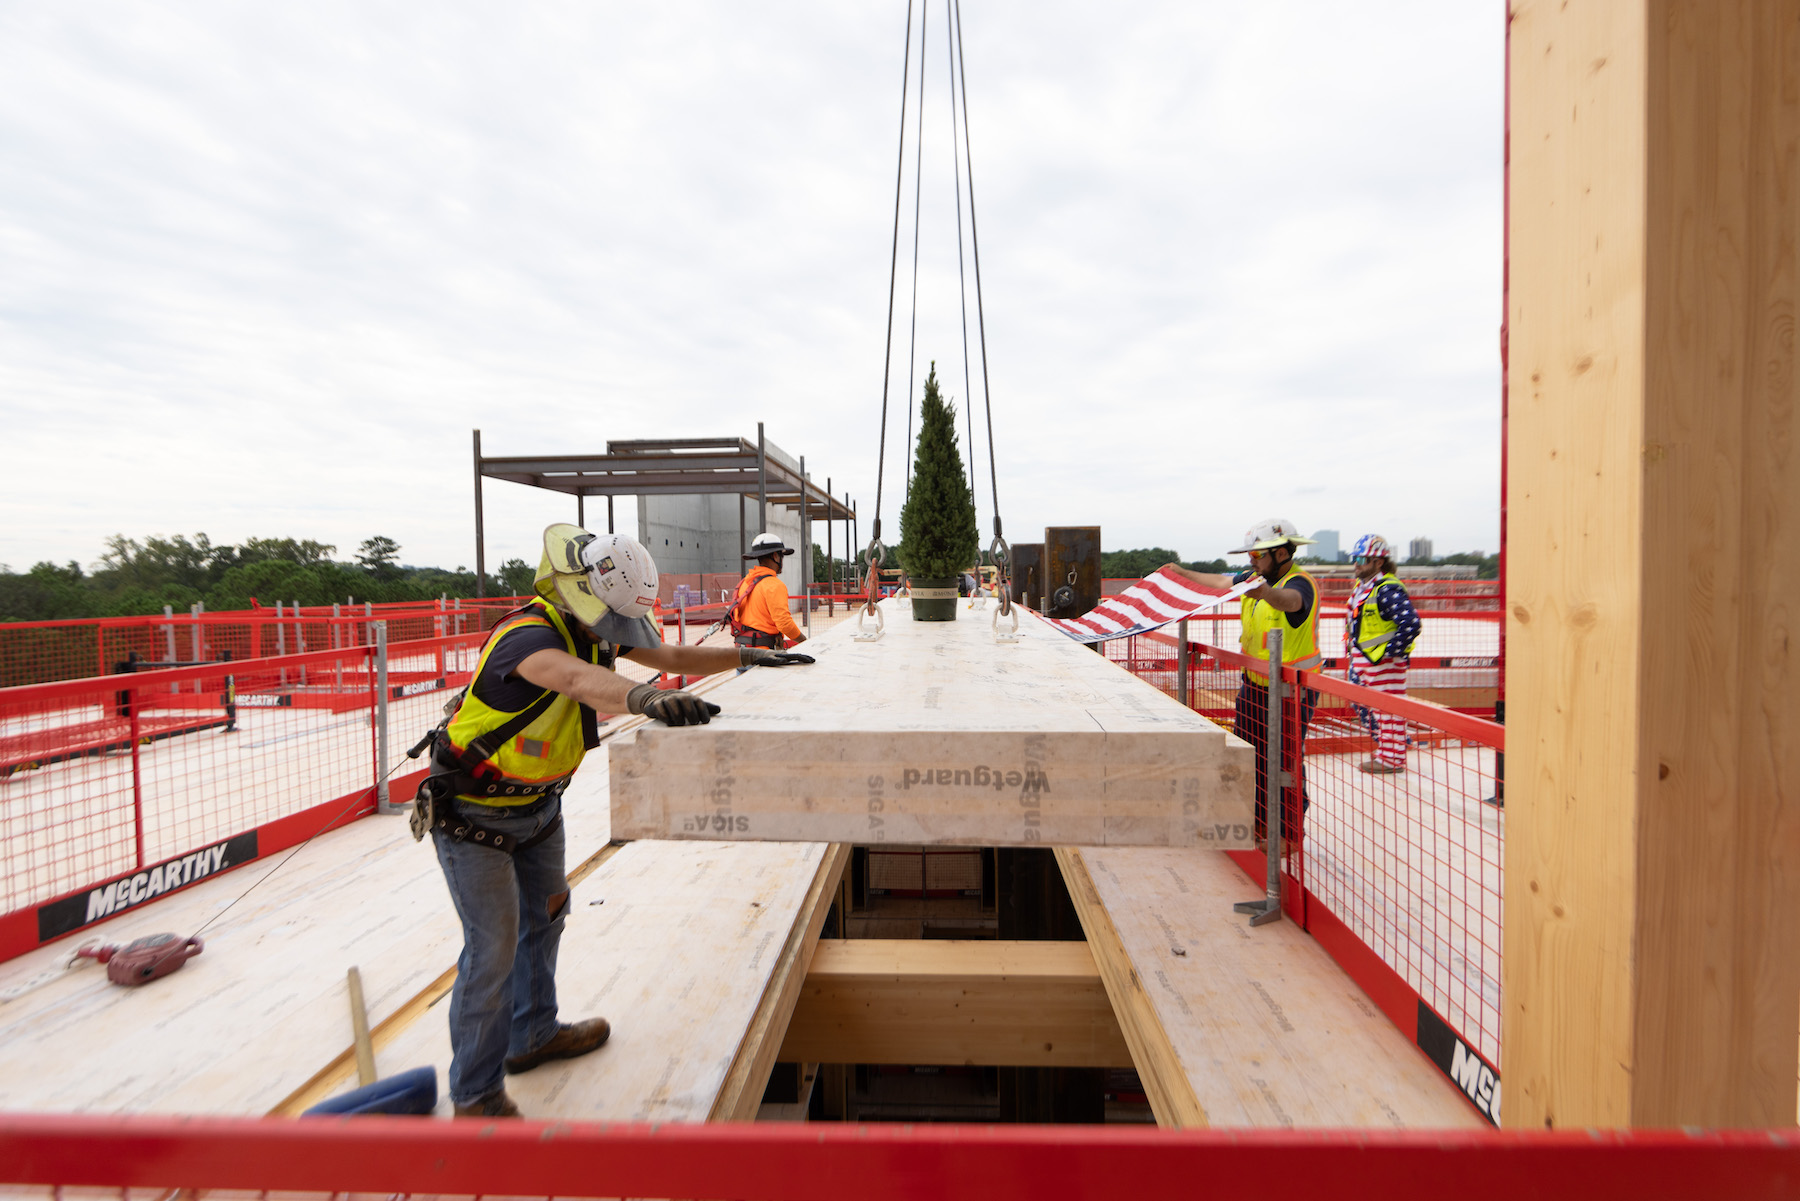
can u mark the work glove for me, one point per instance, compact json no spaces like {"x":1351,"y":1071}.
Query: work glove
{"x":762,"y":656}
{"x":670,"y":706}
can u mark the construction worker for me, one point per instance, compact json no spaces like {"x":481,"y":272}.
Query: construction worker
{"x":759,"y":615}
{"x":1288,"y":597}
{"x":493,"y":799}
{"x":1380,"y":628}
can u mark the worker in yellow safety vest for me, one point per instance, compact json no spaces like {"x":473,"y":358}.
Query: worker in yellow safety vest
{"x":1287,"y":597}
{"x":492,"y":801}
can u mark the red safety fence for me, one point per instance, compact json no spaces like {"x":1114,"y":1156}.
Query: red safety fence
{"x":69,"y":1155}
{"x":38,"y":652}
{"x":117,"y":790}
{"x":1397,"y":874}
{"x":1455,"y":662}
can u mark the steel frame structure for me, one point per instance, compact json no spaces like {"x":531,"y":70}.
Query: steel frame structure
{"x":660,"y":467}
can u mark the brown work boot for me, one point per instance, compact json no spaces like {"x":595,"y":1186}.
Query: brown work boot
{"x":1376,"y":767}
{"x":495,"y":1105}
{"x":566,"y":1043}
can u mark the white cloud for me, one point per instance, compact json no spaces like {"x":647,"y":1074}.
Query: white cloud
{"x":262,"y":269}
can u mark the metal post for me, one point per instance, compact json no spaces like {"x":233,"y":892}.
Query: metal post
{"x":743,"y":535}
{"x":1269,"y":908}
{"x":762,"y":481}
{"x":806,"y":570}
{"x":581,"y":510}
{"x":382,"y":804}
{"x":169,"y":640}
{"x":337,"y":644}
{"x":830,"y":563}
{"x":299,"y":641}
{"x":681,"y":626}
{"x":480,"y":534}
{"x":1181,"y":661}
{"x":609,"y":516}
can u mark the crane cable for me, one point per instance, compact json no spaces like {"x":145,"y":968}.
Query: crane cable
{"x":912,"y":348}
{"x":876,"y":552}
{"x":999,"y":550}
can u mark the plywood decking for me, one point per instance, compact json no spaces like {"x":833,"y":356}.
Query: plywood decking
{"x":936,"y":734}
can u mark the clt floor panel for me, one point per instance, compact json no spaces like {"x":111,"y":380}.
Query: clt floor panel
{"x":1237,"y":1026}
{"x":937,"y":733}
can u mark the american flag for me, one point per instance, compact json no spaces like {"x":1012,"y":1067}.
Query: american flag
{"x":1150,"y":604}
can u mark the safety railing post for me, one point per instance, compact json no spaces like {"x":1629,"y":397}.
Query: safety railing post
{"x":137,"y":773}
{"x":1269,"y":908}
{"x":382,"y":803}
{"x":199,"y":642}
{"x":299,"y":641}
{"x":1181,"y":664}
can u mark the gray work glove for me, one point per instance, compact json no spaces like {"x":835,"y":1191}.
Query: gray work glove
{"x":762,"y":656}
{"x":671,"y":706}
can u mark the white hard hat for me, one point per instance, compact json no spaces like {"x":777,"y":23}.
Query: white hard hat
{"x":1269,"y":533}
{"x":765,"y":544}
{"x":607,"y":582}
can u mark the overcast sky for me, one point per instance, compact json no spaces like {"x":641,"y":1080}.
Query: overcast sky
{"x":264,"y":267}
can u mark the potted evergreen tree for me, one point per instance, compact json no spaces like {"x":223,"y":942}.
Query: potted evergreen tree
{"x":938,"y":536}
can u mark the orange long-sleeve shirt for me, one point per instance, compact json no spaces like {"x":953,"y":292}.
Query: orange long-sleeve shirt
{"x":767,"y":607}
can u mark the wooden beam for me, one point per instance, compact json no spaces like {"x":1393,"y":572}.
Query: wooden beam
{"x":1653,"y":846}
{"x":937,"y":734}
{"x":742,"y":1091}
{"x":1012,"y":1004}
{"x":1158,"y":1064}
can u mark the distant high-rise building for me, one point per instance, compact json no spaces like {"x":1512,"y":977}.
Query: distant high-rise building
{"x":1325,"y":546}
{"x":1419,"y":550}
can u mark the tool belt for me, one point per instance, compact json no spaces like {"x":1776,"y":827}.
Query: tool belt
{"x":757,"y":638}
{"x":431,"y":811}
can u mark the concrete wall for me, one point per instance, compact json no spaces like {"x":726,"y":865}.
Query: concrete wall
{"x":688,"y":534}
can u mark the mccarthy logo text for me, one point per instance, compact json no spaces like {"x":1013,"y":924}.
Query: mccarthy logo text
{"x":155,"y":882}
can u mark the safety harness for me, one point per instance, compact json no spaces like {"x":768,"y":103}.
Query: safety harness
{"x":431,"y":802}
{"x":747,"y":635}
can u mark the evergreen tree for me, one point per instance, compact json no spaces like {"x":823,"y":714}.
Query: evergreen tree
{"x":938,"y":536}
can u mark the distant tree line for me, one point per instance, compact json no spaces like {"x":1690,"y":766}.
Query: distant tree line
{"x":133,"y":578}
{"x":1136,"y":564}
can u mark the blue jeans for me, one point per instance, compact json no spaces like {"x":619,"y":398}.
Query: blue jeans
{"x":504,"y":1001}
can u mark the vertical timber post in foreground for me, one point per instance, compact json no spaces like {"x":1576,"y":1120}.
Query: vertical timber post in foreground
{"x":1653,"y":565}
{"x":382,"y":804}
{"x":1269,"y":908}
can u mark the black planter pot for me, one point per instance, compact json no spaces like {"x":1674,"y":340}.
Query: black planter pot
{"x":934,"y":600}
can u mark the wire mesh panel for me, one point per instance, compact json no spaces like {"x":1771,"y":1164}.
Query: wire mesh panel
{"x":37,"y":652}
{"x":1408,"y":862}
{"x":153,"y":779}
{"x":104,"y":777}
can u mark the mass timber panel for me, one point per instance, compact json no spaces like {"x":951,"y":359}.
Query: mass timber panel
{"x":1238,"y":1026}
{"x":677,"y":945}
{"x":1013,"y":1004}
{"x":936,"y":734}
{"x":1653,"y":558}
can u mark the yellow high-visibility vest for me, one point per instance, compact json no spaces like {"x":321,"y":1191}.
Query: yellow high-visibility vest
{"x":1370,"y":632}
{"x":552,"y":746}
{"x":1298,"y":648}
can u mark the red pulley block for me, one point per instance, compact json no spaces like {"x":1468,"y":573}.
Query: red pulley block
{"x":144,"y":959}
